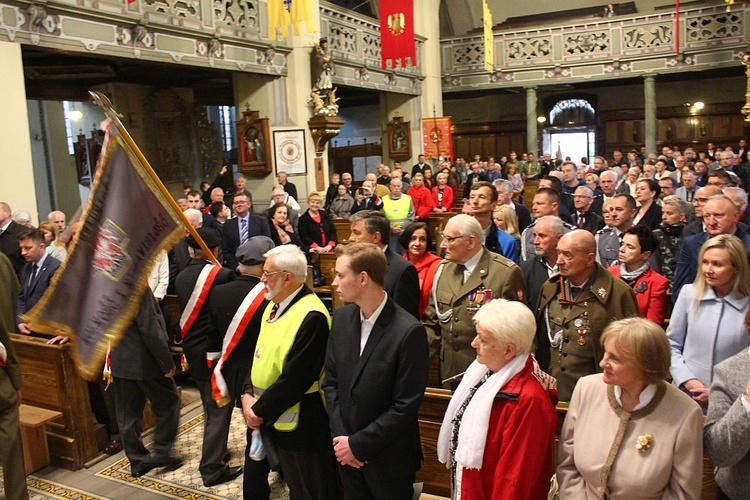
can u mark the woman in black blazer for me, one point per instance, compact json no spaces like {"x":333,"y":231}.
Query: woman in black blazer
{"x":315,"y":228}
{"x":649,"y":213}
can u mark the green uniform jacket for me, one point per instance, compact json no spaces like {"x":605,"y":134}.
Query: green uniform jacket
{"x":452,"y":337}
{"x":611,"y":299}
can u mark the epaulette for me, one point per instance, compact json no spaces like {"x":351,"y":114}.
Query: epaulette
{"x":605,"y":230}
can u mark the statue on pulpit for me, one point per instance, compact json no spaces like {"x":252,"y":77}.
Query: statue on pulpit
{"x":323,"y":95}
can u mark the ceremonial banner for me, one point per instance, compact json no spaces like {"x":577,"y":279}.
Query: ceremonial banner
{"x":397,"y":41}
{"x":489,"y":38}
{"x":437,"y":137}
{"x":96,"y":293}
{"x":282,"y":13}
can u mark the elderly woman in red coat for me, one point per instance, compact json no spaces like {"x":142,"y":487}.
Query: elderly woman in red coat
{"x":497,"y":432}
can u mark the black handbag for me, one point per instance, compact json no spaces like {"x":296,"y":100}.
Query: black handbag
{"x":318,"y":278}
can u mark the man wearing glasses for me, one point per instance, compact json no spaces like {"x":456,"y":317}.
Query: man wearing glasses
{"x":282,"y":396}
{"x":470,"y":276}
{"x":241,"y":228}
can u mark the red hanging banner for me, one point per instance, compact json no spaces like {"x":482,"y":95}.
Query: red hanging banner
{"x":437,"y":137}
{"x":397,"y":42}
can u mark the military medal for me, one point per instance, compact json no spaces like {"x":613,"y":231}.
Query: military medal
{"x":582,"y":324}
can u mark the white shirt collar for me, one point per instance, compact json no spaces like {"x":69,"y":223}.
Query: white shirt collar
{"x":644,"y":398}
{"x":472,"y":263}
{"x":5,"y":227}
{"x":369,"y":323}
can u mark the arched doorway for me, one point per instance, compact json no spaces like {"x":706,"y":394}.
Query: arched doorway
{"x":572,"y":129}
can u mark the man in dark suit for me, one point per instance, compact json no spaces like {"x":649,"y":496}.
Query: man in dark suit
{"x":236,"y":314}
{"x":35,"y":275}
{"x":537,"y":270}
{"x":585,"y":217}
{"x":290,"y":188}
{"x":401,"y":279}
{"x":505,"y":197}
{"x":376,"y":372}
{"x":720,"y":217}
{"x":193,"y":286}
{"x":282,"y":393}
{"x":9,"y":232}
{"x":194,"y":201}
{"x":241,"y":228}
{"x":142,"y":368}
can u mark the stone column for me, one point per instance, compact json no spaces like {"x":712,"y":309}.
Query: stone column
{"x":532,"y":145}
{"x":649,"y":94}
{"x":15,"y":143}
{"x":427,"y":24}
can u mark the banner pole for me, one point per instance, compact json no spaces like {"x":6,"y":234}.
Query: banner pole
{"x":103,"y":102}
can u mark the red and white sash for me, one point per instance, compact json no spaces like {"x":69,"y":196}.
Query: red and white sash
{"x":195,"y":302}
{"x":236,"y":329}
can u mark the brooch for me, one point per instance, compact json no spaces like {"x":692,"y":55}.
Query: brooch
{"x":643,"y":443}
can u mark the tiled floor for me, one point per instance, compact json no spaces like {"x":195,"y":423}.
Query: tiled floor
{"x":110,"y":477}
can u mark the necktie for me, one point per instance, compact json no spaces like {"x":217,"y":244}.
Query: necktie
{"x":690,"y":196}
{"x":274,"y":310}
{"x":34,"y":269}
{"x":581,"y":220}
{"x":243,"y":231}
{"x":460,"y":270}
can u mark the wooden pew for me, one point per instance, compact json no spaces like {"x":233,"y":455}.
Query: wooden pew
{"x":50,"y":381}
{"x":436,"y":477}
{"x":436,"y":223}
{"x":343,"y":230}
{"x":32,"y":420}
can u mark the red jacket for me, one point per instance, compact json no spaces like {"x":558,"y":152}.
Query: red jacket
{"x":449,"y":197}
{"x":422,"y":200}
{"x":517,"y":462}
{"x":650,"y":292}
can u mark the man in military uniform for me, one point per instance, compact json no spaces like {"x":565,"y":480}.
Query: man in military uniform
{"x":470,"y":277}
{"x":574,"y":308}
{"x":622,"y":209}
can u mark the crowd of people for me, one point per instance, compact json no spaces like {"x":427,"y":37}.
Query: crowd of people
{"x":519,"y":307}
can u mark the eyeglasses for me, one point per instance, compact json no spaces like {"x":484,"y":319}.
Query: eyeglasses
{"x":240,"y":202}
{"x":266,"y":274}
{"x":451,"y":239}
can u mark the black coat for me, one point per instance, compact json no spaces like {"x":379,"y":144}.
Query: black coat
{"x":143,"y":351}
{"x":9,"y":246}
{"x":224,"y":301}
{"x":195,"y":342}
{"x":402,"y":282}
{"x":374,"y":398}
{"x":257,"y":226}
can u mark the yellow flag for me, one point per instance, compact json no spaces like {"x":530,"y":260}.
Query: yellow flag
{"x":282,"y":13}
{"x":489,"y":39}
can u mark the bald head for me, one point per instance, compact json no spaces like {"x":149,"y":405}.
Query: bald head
{"x":58,"y":219}
{"x":576,"y":254}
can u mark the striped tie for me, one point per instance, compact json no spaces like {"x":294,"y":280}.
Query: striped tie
{"x":243,"y":231}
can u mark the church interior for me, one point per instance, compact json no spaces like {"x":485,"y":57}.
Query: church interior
{"x":192,"y":78}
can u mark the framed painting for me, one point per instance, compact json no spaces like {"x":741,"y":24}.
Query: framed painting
{"x":289,"y":151}
{"x":399,"y":139}
{"x":253,"y":141}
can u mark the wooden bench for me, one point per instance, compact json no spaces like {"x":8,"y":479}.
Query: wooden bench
{"x":436,"y":477}
{"x":34,"y":435}
{"x":343,"y":230}
{"x":52,"y":383}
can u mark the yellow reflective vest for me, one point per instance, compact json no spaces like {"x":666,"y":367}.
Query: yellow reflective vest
{"x":274,"y":341}
{"x":397,"y":211}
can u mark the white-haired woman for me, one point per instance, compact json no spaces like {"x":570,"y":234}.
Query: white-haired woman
{"x":500,"y":422}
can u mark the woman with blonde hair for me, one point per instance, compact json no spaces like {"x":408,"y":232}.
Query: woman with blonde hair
{"x":628,"y":433}
{"x":55,"y":247}
{"x":707,"y":323}
{"x":505,"y":218}
{"x":315,"y":227}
